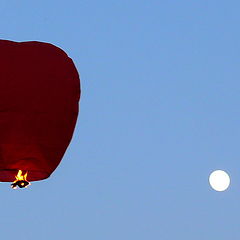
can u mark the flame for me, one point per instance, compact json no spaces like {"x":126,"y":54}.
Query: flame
{"x":21,"y":180}
{"x":21,"y":177}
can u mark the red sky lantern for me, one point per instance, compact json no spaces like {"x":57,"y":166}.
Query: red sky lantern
{"x":39,"y":96}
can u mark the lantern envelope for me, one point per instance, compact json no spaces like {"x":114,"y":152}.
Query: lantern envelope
{"x":39,"y":95}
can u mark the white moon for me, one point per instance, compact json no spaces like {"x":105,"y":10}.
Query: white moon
{"x":219,"y":180}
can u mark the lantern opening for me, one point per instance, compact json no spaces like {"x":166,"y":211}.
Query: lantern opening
{"x":21,"y":181}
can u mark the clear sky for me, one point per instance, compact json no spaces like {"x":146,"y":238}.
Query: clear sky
{"x":159,"y":112}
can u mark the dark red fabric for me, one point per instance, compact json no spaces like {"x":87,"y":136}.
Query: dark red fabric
{"x":39,"y":95}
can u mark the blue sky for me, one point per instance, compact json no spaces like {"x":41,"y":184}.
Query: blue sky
{"x":159,"y":111}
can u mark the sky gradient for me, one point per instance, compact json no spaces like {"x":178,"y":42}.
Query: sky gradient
{"x":159,"y":111}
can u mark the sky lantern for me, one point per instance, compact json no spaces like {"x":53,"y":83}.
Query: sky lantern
{"x":39,"y":96}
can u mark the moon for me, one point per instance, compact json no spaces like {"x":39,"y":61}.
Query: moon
{"x":219,"y":180}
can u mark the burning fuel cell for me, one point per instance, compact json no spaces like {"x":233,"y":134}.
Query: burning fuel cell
{"x":21,"y":181}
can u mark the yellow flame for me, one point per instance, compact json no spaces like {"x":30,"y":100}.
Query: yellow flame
{"x":20,"y":177}
{"x":21,"y":180}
